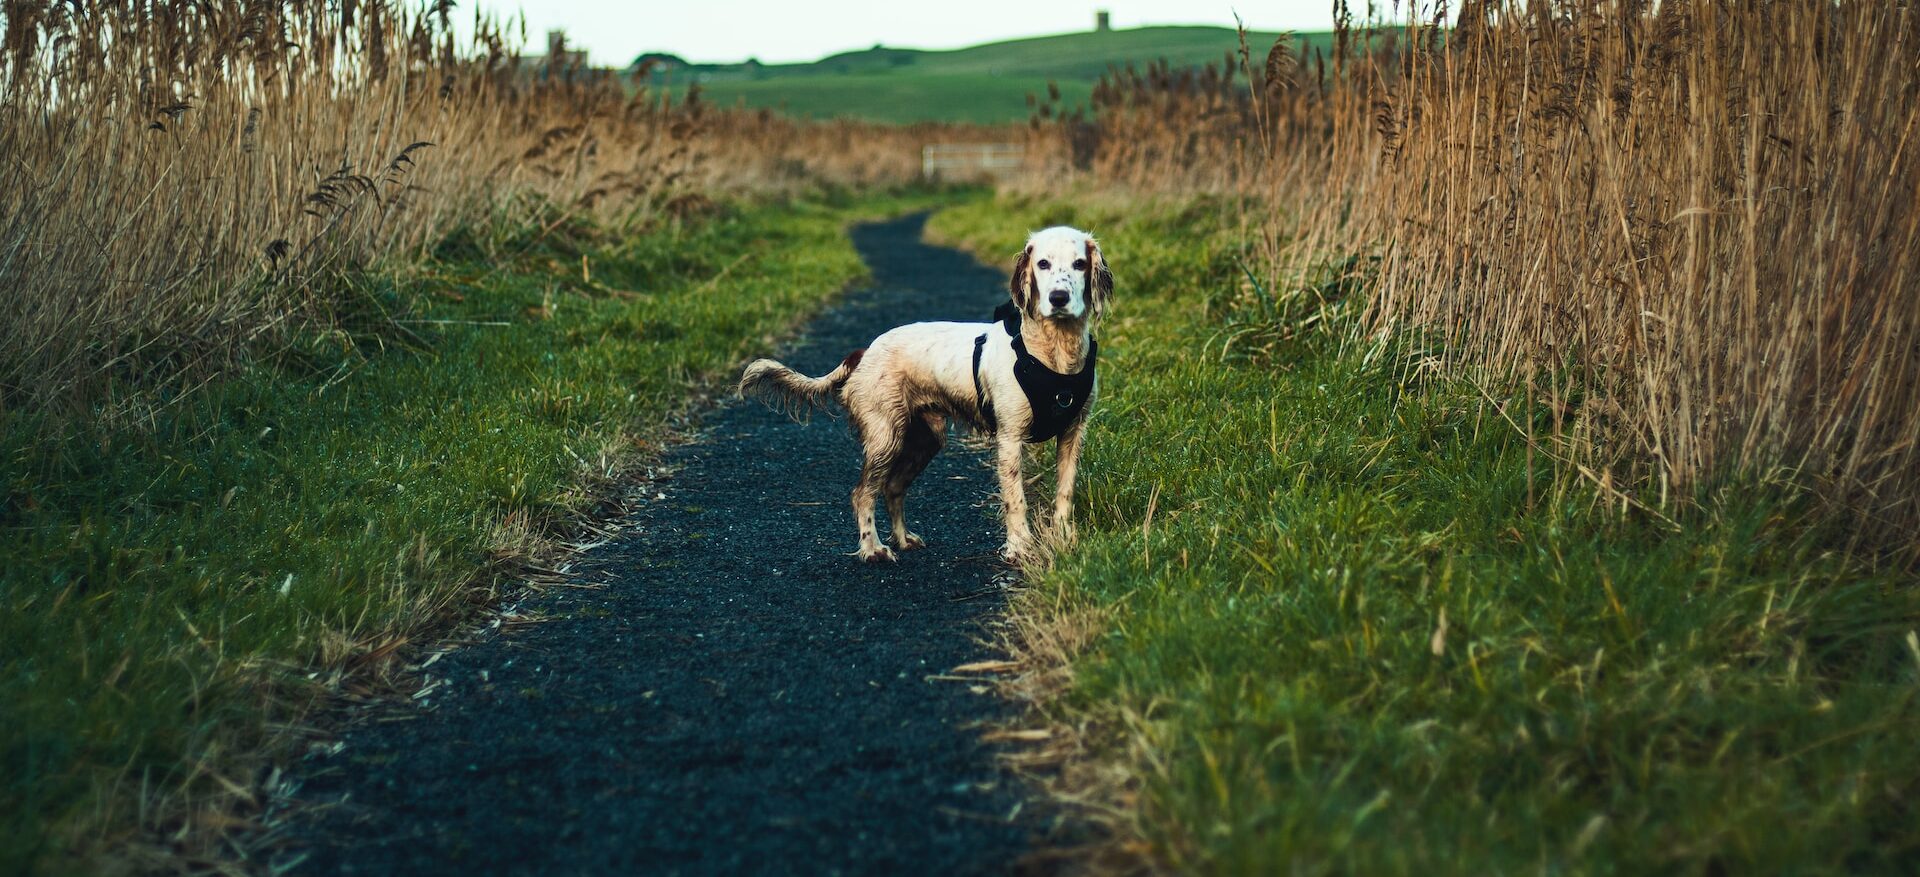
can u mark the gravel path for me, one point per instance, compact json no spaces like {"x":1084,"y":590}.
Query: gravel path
{"x":743,"y":697}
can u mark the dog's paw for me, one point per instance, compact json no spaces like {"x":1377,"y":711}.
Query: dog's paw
{"x":878,"y":554}
{"x":1015,"y":554}
{"x":910,"y":543}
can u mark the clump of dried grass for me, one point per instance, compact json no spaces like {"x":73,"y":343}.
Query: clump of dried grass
{"x":1686,"y":228}
{"x":182,"y":180}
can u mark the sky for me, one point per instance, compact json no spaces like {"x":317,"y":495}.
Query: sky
{"x":773,"y":31}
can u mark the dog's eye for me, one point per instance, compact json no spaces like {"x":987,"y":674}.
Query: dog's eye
{"x":1043,"y":265}
{"x":1079,"y":264}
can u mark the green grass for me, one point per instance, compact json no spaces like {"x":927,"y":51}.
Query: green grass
{"x":1269,"y":543}
{"x":987,"y":84}
{"x":170,"y":579}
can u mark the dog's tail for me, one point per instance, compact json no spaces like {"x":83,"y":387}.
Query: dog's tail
{"x":792,"y":391}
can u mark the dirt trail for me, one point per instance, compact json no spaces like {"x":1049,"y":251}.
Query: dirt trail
{"x":743,"y":697}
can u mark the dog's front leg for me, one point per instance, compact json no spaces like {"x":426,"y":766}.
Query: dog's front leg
{"x":1068,"y":466}
{"x":1013,"y":495}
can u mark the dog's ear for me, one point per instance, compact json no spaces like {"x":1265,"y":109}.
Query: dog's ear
{"x":1099,"y":279}
{"x":1021,"y":288}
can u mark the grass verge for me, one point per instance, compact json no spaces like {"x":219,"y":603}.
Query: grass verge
{"x":183,"y":580}
{"x":1327,"y":614}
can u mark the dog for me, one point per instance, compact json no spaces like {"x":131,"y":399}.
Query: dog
{"x":1026,"y":378}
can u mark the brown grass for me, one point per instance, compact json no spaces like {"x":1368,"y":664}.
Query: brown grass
{"x":186,"y":186}
{"x":182,"y":180}
{"x":1686,"y":229}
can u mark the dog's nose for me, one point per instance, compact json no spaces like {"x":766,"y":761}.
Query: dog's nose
{"x":1058,"y":298}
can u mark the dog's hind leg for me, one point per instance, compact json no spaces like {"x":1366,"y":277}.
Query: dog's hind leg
{"x":872,"y":474}
{"x":926,"y":435}
{"x":883,"y":446}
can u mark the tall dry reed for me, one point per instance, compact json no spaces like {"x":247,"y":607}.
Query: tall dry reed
{"x":181,"y":179}
{"x":1686,"y":228}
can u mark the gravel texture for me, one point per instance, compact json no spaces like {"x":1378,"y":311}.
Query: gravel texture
{"x":743,"y":697}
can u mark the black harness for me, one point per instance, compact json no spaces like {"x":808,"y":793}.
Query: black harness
{"x":1056,"y":400}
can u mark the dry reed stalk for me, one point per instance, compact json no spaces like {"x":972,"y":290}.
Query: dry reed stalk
{"x":182,"y":179}
{"x":1687,"y":228}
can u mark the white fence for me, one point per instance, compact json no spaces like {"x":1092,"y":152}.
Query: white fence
{"x":968,"y":161}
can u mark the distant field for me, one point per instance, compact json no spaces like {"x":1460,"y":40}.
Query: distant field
{"x":988,"y":83}
{"x":896,"y":97}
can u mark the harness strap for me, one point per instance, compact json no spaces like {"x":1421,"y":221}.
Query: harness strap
{"x":979,"y":393}
{"x":1056,"y":401}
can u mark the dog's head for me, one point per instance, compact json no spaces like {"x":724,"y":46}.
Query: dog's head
{"x":1061,"y":275}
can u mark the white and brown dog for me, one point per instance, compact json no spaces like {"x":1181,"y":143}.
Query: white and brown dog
{"x":1025,"y":379}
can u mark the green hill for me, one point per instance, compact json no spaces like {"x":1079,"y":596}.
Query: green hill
{"x":986,"y":83}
